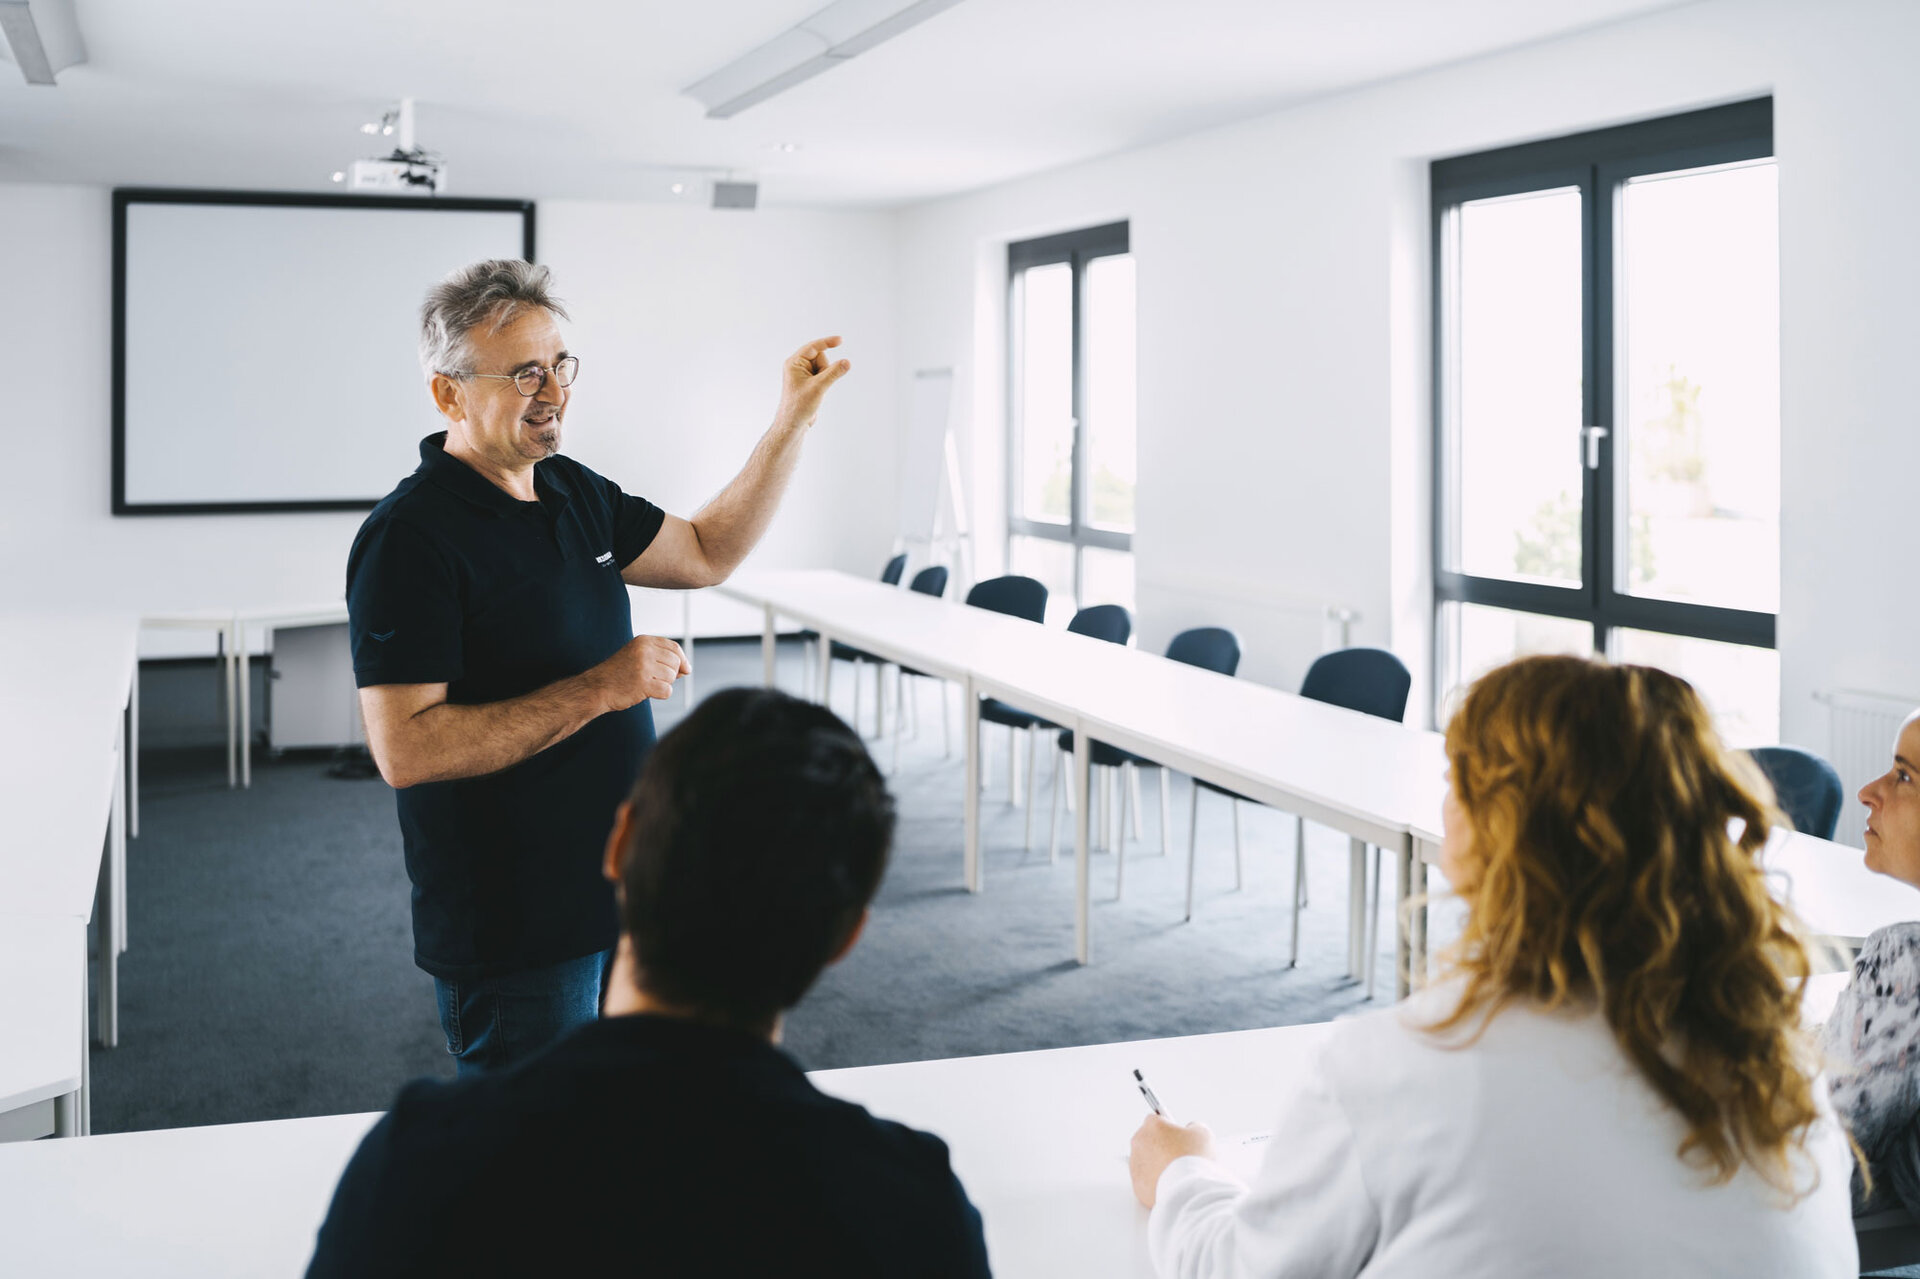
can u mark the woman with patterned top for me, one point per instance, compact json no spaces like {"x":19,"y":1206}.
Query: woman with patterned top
{"x":1872,"y":1037}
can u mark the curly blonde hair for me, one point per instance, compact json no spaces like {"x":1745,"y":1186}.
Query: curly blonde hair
{"x":1614,"y":859}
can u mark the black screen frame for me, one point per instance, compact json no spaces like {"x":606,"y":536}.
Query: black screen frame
{"x":124,"y":197}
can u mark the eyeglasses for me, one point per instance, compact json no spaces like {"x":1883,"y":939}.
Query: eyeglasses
{"x":529,"y":381}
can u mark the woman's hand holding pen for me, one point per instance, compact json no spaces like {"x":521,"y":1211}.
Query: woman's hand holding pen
{"x":1158,"y":1143}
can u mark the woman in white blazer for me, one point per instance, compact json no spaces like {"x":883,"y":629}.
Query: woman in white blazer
{"x":1608,"y":1076}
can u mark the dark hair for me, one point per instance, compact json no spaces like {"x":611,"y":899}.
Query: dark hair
{"x":760,"y":832}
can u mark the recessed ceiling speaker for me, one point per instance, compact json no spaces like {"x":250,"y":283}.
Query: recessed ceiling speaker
{"x":735,"y":195}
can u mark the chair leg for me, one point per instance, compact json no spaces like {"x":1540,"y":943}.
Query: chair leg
{"x":1239,"y":878}
{"x":1299,"y":900}
{"x":946,"y":731}
{"x":856,"y":698}
{"x":899,"y":716}
{"x":986,"y":755}
{"x":1053,"y":813}
{"x":1101,"y":806}
{"x":1013,"y":766}
{"x":1193,"y":842}
{"x":1133,"y":797}
{"x":1300,"y":844}
{"x":1373,"y":923}
{"x":1166,"y":803}
{"x":1032,"y":750}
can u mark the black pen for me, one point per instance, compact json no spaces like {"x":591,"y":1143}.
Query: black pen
{"x":1147,"y":1092}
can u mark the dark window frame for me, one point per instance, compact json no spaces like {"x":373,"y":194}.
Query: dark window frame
{"x":1076,"y":249}
{"x":1598,"y":163}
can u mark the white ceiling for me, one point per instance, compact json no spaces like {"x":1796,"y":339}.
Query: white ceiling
{"x":577,"y":99}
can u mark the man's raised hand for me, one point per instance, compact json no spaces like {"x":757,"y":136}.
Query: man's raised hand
{"x":804,"y":381}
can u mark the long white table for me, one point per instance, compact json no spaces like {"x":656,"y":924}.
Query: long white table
{"x":232,"y":627}
{"x":43,"y":1008}
{"x":1039,"y":1139}
{"x":68,"y":701}
{"x":1350,"y":771}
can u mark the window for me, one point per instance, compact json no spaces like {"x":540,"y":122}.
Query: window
{"x":1607,"y":406}
{"x":1072,"y":453}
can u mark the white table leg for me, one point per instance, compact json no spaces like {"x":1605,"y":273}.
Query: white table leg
{"x":686,"y":642}
{"x":85,"y":1117}
{"x":66,"y":1115}
{"x":970,"y":729}
{"x":245,"y":662}
{"x":117,"y":858}
{"x":108,"y":998}
{"x":133,"y":753}
{"x":1082,"y":853}
{"x":226,"y":673}
{"x":767,"y":647}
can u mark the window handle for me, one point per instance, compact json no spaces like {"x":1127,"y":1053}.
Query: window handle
{"x":1590,"y":437}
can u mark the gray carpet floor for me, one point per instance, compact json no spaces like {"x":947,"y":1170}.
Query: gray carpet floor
{"x":270,"y":970}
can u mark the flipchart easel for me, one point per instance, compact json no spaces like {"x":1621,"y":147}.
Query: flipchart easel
{"x":933,"y":509}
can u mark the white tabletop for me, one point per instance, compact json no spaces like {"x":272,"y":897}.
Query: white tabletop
{"x":1831,"y":889}
{"x":1358,"y":771}
{"x":240,"y":1200}
{"x":54,"y":810}
{"x":43,"y":972}
{"x":1040,"y":1138}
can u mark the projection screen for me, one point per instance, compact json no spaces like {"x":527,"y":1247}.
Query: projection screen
{"x":265,"y":345}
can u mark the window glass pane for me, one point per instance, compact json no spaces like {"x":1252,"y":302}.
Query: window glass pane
{"x":1740,"y":684}
{"x":1111,"y":453}
{"x":1481,"y":638}
{"x":1700,"y":387}
{"x":1106,"y":577}
{"x":1045,"y":313}
{"x":1517,"y":355}
{"x":1050,"y":563}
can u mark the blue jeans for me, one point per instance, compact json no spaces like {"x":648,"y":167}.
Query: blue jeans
{"x":495,"y":1022}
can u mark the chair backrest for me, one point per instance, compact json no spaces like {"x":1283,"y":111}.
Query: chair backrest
{"x":1213,"y":648}
{"x":895,"y":567}
{"x":1108,"y":622}
{"x":930,"y":581}
{"x":1370,"y":680}
{"x":1807,"y":787}
{"x":1015,"y":596}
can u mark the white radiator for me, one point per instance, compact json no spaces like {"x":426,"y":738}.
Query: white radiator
{"x":1861,"y":729}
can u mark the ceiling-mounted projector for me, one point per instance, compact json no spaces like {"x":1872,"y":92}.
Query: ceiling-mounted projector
{"x":406,"y":170}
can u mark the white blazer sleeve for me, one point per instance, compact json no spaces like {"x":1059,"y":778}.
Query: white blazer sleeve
{"x":1307,"y":1213}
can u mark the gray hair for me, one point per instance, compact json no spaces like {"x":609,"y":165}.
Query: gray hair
{"x":494,"y":293}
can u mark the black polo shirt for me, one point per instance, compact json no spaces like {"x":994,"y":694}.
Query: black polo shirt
{"x":650,"y":1146}
{"x":453,"y":581}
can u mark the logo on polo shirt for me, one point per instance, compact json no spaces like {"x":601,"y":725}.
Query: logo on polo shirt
{"x":605,"y":557}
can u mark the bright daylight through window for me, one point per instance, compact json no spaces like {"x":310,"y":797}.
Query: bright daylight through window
{"x":1073,"y":419}
{"x":1608,"y":406}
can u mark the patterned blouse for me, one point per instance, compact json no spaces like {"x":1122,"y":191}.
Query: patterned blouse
{"x":1872,"y":1044}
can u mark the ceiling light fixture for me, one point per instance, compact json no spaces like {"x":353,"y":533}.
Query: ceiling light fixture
{"x":838,"y":32}
{"x":42,"y":37}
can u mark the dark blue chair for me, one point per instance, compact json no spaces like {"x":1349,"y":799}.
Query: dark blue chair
{"x":1212,"y":648}
{"x":1109,"y":622}
{"x":1026,"y":599}
{"x":1806,"y":786}
{"x":1371,"y":681}
{"x":928,"y":581}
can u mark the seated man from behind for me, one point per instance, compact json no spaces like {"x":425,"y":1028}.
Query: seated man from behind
{"x":672,"y":1137}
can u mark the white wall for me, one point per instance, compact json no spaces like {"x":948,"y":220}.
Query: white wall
{"x":1283,"y":295}
{"x":682,"y":319}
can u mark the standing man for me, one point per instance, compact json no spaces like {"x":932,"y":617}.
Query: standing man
{"x":504,"y":691}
